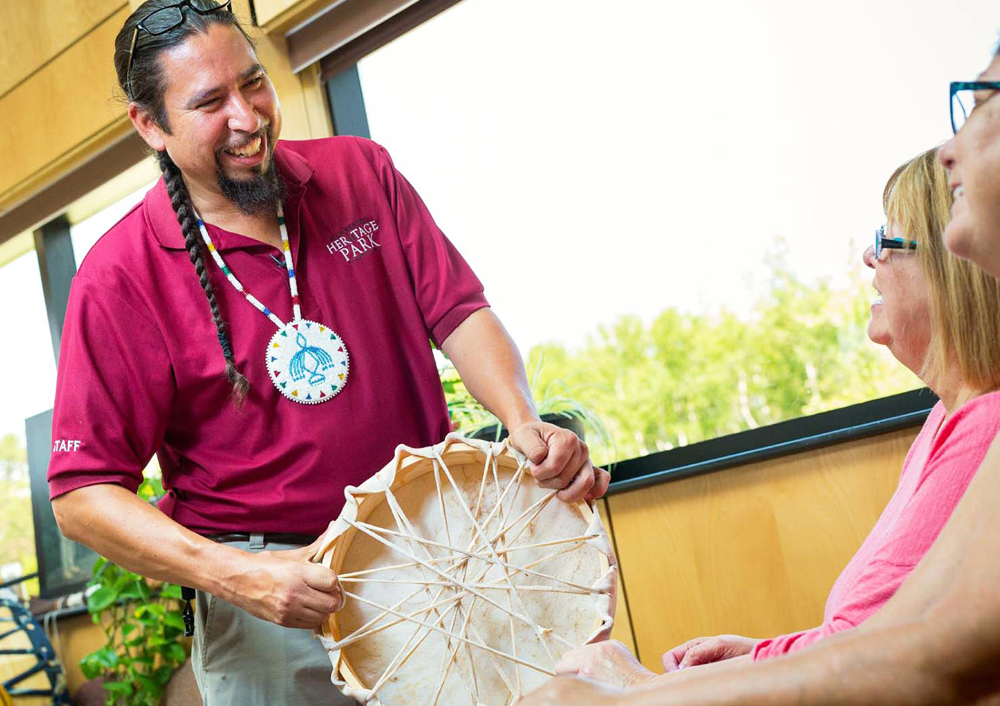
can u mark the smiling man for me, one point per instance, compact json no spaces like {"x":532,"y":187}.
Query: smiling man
{"x":285,"y":365}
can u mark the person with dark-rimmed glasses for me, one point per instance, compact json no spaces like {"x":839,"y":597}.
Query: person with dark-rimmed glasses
{"x":261,"y":323}
{"x":937,"y":641}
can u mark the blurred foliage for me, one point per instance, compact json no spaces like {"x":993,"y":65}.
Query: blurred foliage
{"x":142,"y":624}
{"x":687,"y":377}
{"x":552,"y":396}
{"x":17,"y":528}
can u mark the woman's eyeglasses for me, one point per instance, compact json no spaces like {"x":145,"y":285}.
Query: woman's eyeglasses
{"x":964,"y":99}
{"x":165,"y":19}
{"x":884,"y":242}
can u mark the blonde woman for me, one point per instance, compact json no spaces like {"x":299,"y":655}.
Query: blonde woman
{"x":940,"y":317}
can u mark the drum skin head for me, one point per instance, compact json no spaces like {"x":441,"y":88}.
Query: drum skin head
{"x":464,"y":581}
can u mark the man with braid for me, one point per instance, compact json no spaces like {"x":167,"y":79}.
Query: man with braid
{"x":287,"y":365}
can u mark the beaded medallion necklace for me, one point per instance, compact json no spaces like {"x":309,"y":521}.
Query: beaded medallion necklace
{"x":306,"y":361}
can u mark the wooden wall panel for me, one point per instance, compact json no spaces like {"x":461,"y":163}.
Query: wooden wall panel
{"x":77,"y":637}
{"x":303,"y":103}
{"x":32,"y":33}
{"x":68,"y":111}
{"x":279,"y":16}
{"x":752,"y":550}
{"x":64,"y":109}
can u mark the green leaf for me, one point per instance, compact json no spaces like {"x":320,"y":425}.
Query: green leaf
{"x":123,"y":580}
{"x":149,"y":685}
{"x":98,"y":565}
{"x":174,"y":619}
{"x":127,"y":628}
{"x":119,"y":687}
{"x":154,"y":608}
{"x":147,"y":620}
{"x":101,"y":599}
{"x":105,"y":657}
{"x":175,"y":652}
{"x":109,"y":574}
{"x":162,"y":675}
{"x":172,"y":633}
{"x":90,"y":667}
{"x":130,"y":592}
{"x":144,"y":591}
{"x":169,"y":590}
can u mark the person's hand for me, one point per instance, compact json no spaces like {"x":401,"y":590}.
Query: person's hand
{"x":705,"y":650}
{"x":560,"y":461}
{"x":286,"y":588}
{"x":609,"y":662}
{"x":574,"y":691}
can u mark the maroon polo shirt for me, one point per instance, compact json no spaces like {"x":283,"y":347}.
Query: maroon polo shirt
{"x":141,"y":370}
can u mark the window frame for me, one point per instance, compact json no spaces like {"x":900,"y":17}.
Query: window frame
{"x":858,"y":421}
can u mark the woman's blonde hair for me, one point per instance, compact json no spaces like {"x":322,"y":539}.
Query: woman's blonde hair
{"x":965,"y":301}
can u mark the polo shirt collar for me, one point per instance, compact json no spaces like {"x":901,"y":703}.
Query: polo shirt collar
{"x":162,"y":220}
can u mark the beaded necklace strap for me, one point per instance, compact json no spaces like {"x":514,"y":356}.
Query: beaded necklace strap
{"x":306,"y":361}
{"x":289,"y":267}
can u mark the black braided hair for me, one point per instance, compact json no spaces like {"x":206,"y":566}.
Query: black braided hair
{"x":181,"y":201}
{"x":144,"y":85}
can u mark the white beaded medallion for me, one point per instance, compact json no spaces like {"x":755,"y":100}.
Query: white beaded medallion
{"x":307,"y":362}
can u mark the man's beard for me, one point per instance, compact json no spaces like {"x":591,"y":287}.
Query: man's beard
{"x":261,"y":192}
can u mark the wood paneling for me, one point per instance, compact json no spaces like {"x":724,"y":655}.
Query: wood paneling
{"x":32,"y":33}
{"x":78,"y":637}
{"x":76,"y":188}
{"x":336,"y":28}
{"x":279,"y":16}
{"x":63,"y":113}
{"x":67,"y":112}
{"x":303,"y":107}
{"x":752,"y":550}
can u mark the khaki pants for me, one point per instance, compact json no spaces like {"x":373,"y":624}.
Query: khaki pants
{"x":240,"y":660}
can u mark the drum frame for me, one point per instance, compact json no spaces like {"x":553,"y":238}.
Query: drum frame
{"x":409,"y":465}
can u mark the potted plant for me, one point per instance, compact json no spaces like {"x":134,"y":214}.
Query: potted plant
{"x":555,"y":402}
{"x":142,"y":625}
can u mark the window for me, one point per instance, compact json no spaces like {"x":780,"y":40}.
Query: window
{"x":668,"y":205}
{"x":89,"y":230}
{"x":28,"y":389}
{"x":28,"y":393}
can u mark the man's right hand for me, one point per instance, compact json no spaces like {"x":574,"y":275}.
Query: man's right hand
{"x":286,"y":587}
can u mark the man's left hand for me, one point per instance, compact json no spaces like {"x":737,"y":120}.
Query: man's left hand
{"x":560,"y":460}
{"x":574,"y":691}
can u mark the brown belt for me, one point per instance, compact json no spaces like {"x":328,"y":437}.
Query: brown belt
{"x":268,"y":537}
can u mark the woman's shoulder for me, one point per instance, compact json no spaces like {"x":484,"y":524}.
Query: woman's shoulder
{"x":972,"y":426}
{"x":981,"y":408}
